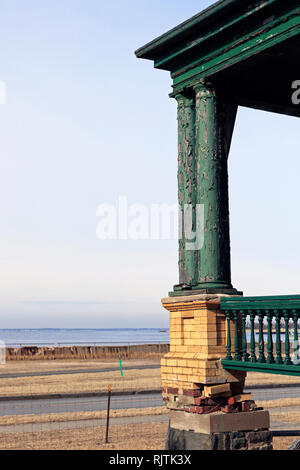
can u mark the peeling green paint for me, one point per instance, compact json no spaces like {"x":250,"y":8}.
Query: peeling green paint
{"x":186,"y":184}
{"x":211,"y":34}
{"x":204,"y":132}
{"x":261,"y":39}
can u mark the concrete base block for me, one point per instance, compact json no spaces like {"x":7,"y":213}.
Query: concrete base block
{"x":219,"y":431}
{"x":219,"y":422}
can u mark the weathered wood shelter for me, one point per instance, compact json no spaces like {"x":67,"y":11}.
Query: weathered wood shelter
{"x":235,"y":53}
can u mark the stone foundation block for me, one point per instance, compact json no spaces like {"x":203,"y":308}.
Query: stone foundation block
{"x":220,"y":422}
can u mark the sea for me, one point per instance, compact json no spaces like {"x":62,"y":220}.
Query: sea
{"x":89,"y":336}
{"x":82,"y":336}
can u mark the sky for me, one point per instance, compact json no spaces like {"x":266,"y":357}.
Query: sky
{"x":86,"y":122}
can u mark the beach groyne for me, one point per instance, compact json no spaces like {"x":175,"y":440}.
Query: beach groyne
{"x":132,"y":351}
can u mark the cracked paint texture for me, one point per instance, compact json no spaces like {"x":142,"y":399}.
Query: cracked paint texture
{"x":205,"y":128}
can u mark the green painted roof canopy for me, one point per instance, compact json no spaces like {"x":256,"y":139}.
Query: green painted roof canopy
{"x":249,"y":49}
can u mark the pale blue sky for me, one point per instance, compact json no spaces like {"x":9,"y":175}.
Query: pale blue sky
{"x":85,"y":122}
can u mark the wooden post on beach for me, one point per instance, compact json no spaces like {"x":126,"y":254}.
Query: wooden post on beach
{"x":108,"y":411}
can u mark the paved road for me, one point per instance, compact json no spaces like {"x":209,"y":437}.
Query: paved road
{"x":70,"y":405}
{"x":274,"y":393}
{"x":76,"y":371}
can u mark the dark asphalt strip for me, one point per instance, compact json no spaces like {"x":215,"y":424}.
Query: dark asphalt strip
{"x":276,"y":393}
{"x":77,"y":395}
{"x":76,"y":371}
{"x":38,"y":407}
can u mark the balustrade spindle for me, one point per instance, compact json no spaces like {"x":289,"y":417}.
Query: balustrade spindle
{"x":287,"y":359}
{"x":270,"y":358}
{"x":278,"y":337}
{"x":228,"y":317}
{"x":296,"y":354}
{"x":261,"y":342}
{"x":244,"y":347}
{"x":237,"y":356}
{"x":252,"y":339}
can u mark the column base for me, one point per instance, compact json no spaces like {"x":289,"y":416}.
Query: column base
{"x":219,"y":431}
{"x":181,"y":291}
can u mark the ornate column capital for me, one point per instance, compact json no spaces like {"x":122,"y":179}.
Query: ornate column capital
{"x":204,"y":89}
{"x":183,"y":100}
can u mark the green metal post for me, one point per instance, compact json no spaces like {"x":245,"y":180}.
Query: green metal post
{"x":121,"y":368}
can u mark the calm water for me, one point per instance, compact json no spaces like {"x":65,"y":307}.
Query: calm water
{"x":64,"y":337}
{"x":70,"y":336}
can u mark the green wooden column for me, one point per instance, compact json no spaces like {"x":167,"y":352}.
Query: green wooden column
{"x":205,"y":127}
{"x":212,"y":180}
{"x":186,"y":188}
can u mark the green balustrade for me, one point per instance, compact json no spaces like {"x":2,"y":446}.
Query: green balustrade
{"x":265,"y":311}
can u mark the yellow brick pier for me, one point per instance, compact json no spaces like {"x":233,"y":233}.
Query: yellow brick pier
{"x":198,"y":333}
